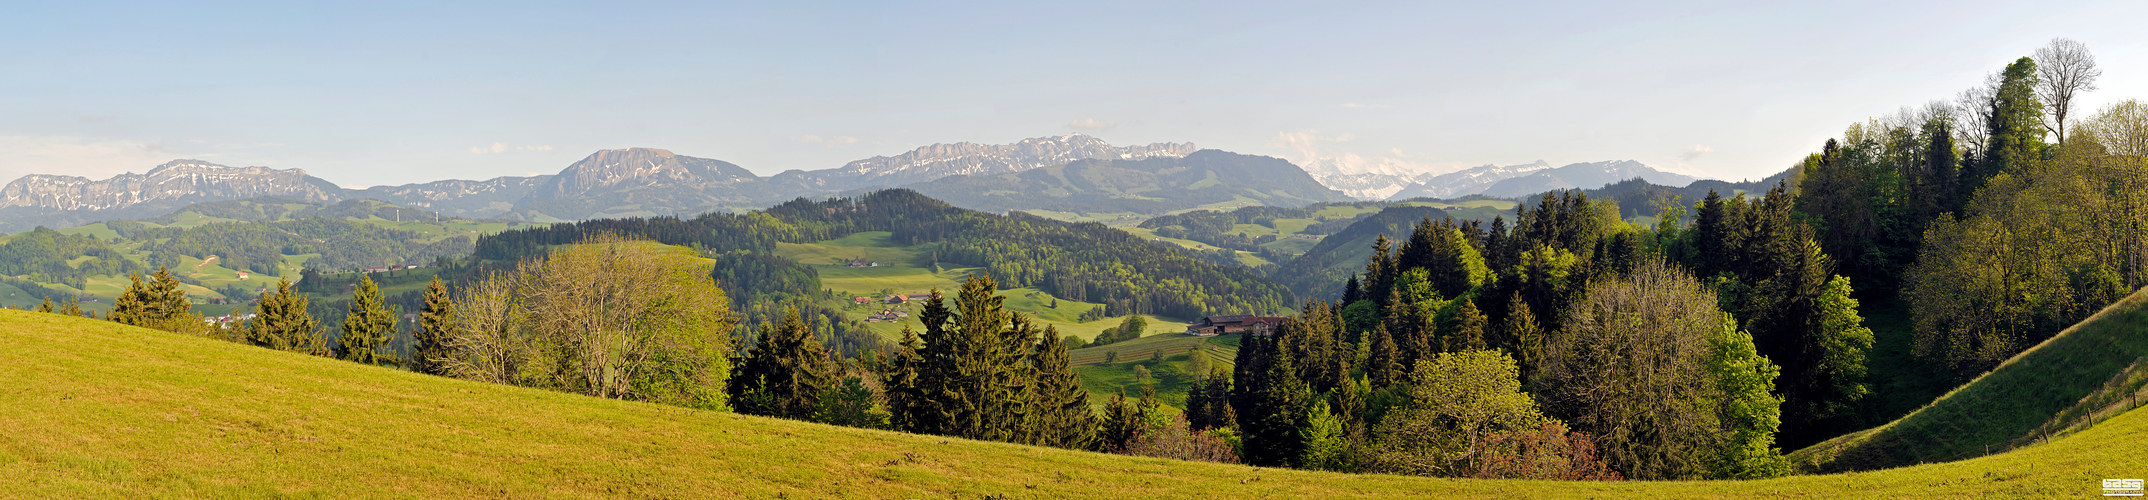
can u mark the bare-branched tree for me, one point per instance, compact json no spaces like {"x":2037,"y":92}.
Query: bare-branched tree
{"x":2063,"y":68}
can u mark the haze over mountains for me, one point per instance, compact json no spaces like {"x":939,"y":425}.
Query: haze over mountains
{"x":1074,"y":173}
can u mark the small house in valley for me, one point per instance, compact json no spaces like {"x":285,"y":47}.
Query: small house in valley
{"x":1234,"y":324}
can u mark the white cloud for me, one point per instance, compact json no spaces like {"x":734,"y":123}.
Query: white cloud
{"x":1307,"y":143}
{"x":1089,"y":124}
{"x":830,"y":142}
{"x":88,"y":157}
{"x":1360,"y":105}
{"x":1695,"y":152}
{"x":501,"y":147}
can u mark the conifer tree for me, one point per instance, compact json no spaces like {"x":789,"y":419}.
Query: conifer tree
{"x":1208,"y":404}
{"x":368,"y":328}
{"x":1384,"y":368}
{"x":1275,"y":411}
{"x":907,"y":408}
{"x":972,"y":377}
{"x":1464,"y":329}
{"x":1314,"y":340}
{"x":281,"y":322}
{"x":1124,"y":421}
{"x":1522,"y":337}
{"x":784,"y":374}
{"x":72,"y":307}
{"x":166,"y":299}
{"x":1063,"y":417}
{"x":159,"y":303}
{"x":436,"y":324}
{"x":46,"y":306}
{"x":1380,"y":272}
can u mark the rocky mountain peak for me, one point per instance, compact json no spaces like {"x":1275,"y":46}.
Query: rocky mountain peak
{"x":969,"y":158}
{"x":173,"y":180}
{"x":642,"y":166}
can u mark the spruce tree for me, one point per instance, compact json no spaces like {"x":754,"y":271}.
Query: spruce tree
{"x":1522,"y":337}
{"x":1278,"y":412}
{"x":786,"y":371}
{"x":1463,"y":330}
{"x":1208,"y":404}
{"x":907,"y":408}
{"x":159,"y":303}
{"x":165,"y":300}
{"x":129,"y":308}
{"x":1380,"y":272}
{"x":46,"y":306}
{"x":1063,"y":416}
{"x":368,"y":328}
{"x":281,"y":322}
{"x":436,"y":324}
{"x":72,"y":307}
{"x":972,"y":376}
{"x":1118,"y":425}
{"x":1384,"y":368}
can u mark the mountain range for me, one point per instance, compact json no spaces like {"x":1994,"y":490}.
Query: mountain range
{"x":1072,"y":173}
{"x":1510,"y":181}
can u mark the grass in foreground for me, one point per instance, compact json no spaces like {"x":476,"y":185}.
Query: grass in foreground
{"x":2016,"y":403}
{"x":96,"y":409}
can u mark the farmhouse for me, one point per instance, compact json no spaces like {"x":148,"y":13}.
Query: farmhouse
{"x":1239,"y":324}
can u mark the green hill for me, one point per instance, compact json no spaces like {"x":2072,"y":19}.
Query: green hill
{"x":97,"y":409}
{"x":2083,"y":375}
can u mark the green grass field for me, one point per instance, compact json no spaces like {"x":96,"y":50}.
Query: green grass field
{"x":2041,"y":392}
{"x":901,"y":271}
{"x":96,"y":409}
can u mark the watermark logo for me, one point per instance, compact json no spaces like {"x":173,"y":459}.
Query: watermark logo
{"x":2123,"y":487}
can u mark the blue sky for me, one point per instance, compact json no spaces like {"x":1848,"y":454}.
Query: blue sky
{"x":366,"y":93}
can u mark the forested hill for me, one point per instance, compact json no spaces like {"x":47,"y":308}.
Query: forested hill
{"x":1083,"y":262}
{"x":1322,"y":270}
{"x":1150,"y":186}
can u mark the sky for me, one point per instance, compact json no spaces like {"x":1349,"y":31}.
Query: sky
{"x":369,"y":93}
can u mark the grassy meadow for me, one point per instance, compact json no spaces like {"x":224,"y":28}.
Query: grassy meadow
{"x":101,"y":410}
{"x":905,"y":269}
{"x":2044,"y":392}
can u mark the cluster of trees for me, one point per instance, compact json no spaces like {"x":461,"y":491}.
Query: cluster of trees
{"x":981,"y":372}
{"x":789,"y":373}
{"x":261,"y":246}
{"x":1570,"y":338}
{"x":2041,"y":234}
{"x":47,"y":256}
{"x":1128,"y":329}
{"x":609,"y":317}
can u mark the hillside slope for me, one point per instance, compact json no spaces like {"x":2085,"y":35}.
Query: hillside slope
{"x":1321,"y":271}
{"x":96,"y":409}
{"x":2078,"y":377}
